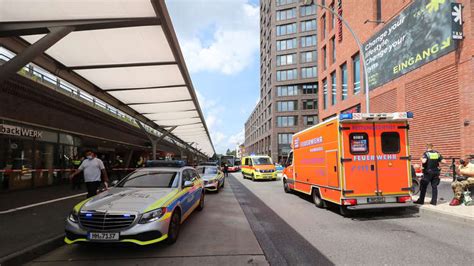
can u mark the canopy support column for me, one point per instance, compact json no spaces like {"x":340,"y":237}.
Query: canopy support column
{"x":31,"y":52}
{"x":154,"y":141}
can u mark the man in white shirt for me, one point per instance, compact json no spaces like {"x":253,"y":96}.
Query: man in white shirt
{"x":93,"y":168}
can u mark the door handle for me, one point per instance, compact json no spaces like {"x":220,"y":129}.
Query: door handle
{"x":372,"y":167}
{"x":335,"y":168}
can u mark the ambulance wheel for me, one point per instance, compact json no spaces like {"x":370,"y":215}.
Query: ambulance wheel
{"x":318,"y":201}
{"x":253,"y":177}
{"x":286,"y":187}
{"x":344,"y":211}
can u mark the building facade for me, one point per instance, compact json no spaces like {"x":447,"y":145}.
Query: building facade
{"x":414,"y":64}
{"x":288,"y":77}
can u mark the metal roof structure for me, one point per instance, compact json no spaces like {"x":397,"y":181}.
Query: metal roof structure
{"x":126,"y":48}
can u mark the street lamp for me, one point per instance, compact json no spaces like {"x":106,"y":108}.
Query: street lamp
{"x":359,"y":44}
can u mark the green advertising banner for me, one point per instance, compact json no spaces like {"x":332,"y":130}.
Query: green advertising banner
{"x":418,"y":35}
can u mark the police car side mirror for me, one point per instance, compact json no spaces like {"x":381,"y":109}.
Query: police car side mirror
{"x":114,"y":183}
{"x":188,"y":184}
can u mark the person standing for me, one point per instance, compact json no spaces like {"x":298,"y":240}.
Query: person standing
{"x":76,"y":180}
{"x":464,"y":180}
{"x":226,"y":170}
{"x":93,"y":168}
{"x":431,"y":171}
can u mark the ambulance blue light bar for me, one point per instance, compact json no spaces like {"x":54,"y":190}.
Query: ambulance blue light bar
{"x":345,"y":116}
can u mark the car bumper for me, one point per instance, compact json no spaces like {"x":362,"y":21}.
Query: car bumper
{"x":140,"y":234}
{"x":266,"y":176}
{"x":381,"y":206}
{"x":212,"y":186}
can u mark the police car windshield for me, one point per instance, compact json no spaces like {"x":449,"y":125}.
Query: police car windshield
{"x":262,"y":161}
{"x":207,"y":170}
{"x":150,"y":179}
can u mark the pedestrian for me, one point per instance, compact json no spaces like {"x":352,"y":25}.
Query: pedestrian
{"x":76,"y":180}
{"x":464,"y":180}
{"x":431,"y":171}
{"x":226,"y":170}
{"x":92,"y":167}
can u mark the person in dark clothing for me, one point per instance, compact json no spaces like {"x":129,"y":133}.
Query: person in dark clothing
{"x":431,"y":171}
{"x":226,"y":170}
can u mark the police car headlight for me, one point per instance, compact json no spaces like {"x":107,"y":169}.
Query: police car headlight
{"x":152,"y":216}
{"x":73,"y":217}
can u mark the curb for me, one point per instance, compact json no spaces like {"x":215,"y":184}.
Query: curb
{"x":32,"y":252}
{"x":445,"y":215}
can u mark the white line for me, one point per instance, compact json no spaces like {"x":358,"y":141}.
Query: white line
{"x":41,"y":203}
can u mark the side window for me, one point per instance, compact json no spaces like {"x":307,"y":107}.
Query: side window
{"x":390,"y":142}
{"x":359,"y":143}
{"x":250,"y":161}
{"x":289,"y":161}
{"x":187,"y":175}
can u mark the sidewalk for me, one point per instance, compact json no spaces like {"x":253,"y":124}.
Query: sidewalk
{"x":461,"y":213}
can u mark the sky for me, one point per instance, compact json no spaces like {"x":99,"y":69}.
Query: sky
{"x":220,"y":43}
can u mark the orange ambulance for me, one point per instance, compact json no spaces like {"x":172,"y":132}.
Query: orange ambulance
{"x":357,"y":161}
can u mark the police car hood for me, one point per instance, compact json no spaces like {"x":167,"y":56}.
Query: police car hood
{"x":209,"y":176}
{"x":128,"y":199}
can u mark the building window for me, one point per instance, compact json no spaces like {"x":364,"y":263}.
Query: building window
{"x":287,"y":90}
{"x":310,"y":120}
{"x":325,"y":65}
{"x":310,"y":104}
{"x":286,"y":44}
{"x":307,"y":41}
{"x":333,"y":48}
{"x":325,"y":94}
{"x":286,"y":14}
{"x":323,"y":27}
{"x":333,"y":18}
{"x":285,"y":2}
{"x":333,"y":88}
{"x":307,"y":57}
{"x":286,"y":121}
{"x":308,"y":72}
{"x":307,"y":10}
{"x":308,"y":25}
{"x":289,"y":74}
{"x":285,"y":138}
{"x":356,"y":73}
{"x":287,"y":106}
{"x":286,"y":29}
{"x":283,"y":60}
{"x":310,"y":88}
{"x":344,"y":81}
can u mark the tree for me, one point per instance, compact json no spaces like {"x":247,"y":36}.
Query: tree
{"x":231,"y":152}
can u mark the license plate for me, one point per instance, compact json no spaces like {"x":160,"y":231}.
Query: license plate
{"x":376,"y":200}
{"x":103,"y":236}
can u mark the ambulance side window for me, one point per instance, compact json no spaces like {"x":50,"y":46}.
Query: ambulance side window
{"x":390,"y":142}
{"x":359,"y":143}
{"x":289,"y":160}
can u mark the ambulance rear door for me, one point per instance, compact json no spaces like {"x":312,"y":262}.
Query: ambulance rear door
{"x":358,"y":159}
{"x":392,"y":157}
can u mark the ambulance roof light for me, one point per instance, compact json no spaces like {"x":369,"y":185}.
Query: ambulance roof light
{"x":345,"y":116}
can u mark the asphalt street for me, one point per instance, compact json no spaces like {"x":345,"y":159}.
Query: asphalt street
{"x":256,"y":223}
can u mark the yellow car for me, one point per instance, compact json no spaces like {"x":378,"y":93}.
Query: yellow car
{"x":258,"y":168}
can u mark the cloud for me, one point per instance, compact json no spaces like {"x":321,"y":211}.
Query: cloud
{"x":217,"y":35}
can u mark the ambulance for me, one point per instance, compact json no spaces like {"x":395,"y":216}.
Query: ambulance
{"x":357,"y":161}
{"x":258,"y":167}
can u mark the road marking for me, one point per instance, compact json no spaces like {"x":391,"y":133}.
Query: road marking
{"x":41,"y":203}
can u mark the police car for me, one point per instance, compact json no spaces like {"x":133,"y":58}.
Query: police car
{"x":146,"y":207}
{"x":212,"y":176}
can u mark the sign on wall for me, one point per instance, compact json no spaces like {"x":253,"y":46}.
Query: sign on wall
{"x":419,"y":34}
{"x":20,"y":131}
{"x":456,"y":21}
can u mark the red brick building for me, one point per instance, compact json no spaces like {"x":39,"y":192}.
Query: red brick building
{"x":439,"y":93}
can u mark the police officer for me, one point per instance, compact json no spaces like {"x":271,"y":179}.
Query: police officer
{"x":431,"y":171}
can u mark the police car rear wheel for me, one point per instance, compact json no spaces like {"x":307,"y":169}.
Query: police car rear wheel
{"x":173,"y":229}
{"x":201,"y":202}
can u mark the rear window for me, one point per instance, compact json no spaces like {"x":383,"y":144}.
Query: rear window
{"x":359,"y":143}
{"x":390,"y":142}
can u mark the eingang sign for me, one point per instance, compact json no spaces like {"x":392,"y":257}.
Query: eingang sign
{"x":418,"y":35}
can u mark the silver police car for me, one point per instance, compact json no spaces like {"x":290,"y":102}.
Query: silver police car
{"x":146,"y":207}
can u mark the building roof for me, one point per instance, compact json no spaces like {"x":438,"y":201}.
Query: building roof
{"x":127,"y":48}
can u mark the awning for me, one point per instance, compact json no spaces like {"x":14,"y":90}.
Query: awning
{"x":127,"y":48}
